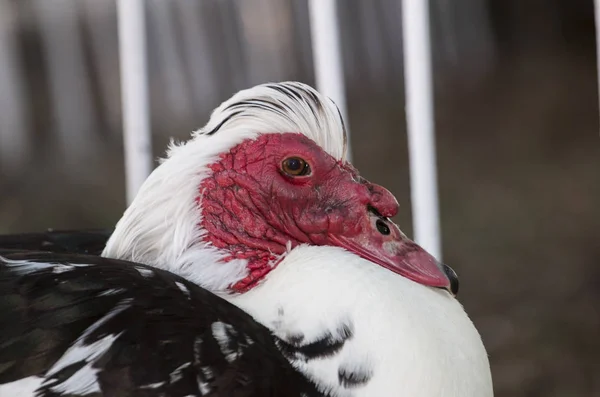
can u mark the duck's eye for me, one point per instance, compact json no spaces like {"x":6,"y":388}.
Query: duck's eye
{"x":295,"y":166}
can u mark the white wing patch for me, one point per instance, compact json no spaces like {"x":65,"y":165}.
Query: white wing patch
{"x":222,"y":332}
{"x":84,"y":381}
{"x":177,"y":372}
{"x":81,"y":382}
{"x":25,"y":387}
{"x":111,"y":291}
{"x":80,"y":352}
{"x":62,"y":268}
{"x":204,"y":387}
{"x":22,"y":267}
{"x":183,"y":288}
{"x":207,"y":371}
{"x":144,"y":272}
{"x":153,"y":385}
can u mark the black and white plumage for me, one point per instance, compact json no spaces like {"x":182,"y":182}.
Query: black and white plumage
{"x":75,"y":325}
{"x":261,"y":209}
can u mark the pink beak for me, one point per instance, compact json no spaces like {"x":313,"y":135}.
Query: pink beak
{"x":381,"y":241}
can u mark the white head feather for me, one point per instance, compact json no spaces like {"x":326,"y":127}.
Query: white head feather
{"x":161,"y":226}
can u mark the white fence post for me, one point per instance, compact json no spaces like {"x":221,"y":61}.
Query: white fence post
{"x":134,"y":94}
{"x":327,"y":55}
{"x":420,"y":119}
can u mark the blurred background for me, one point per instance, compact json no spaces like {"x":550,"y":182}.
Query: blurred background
{"x":517,"y":140}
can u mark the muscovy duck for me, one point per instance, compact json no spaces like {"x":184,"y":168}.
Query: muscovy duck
{"x":254,"y":261}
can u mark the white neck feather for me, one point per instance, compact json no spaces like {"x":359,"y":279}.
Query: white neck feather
{"x":416,"y":341}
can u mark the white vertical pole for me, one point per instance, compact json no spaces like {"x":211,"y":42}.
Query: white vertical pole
{"x":419,"y":115}
{"x":327,"y":54}
{"x":134,"y":94}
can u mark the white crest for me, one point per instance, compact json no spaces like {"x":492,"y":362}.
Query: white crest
{"x":161,"y":226}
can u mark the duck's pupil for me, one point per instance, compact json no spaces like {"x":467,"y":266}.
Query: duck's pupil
{"x":382,"y":227}
{"x":294,"y":164}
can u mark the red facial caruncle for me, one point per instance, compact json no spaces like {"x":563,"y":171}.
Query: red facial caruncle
{"x":283,"y":189}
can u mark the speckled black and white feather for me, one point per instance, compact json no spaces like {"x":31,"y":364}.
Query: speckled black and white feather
{"x":75,"y":325}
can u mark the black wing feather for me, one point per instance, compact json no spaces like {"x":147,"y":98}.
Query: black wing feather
{"x":90,"y":242}
{"x":162,"y":335}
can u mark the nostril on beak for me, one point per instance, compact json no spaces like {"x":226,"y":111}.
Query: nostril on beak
{"x":452,"y":277}
{"x":382,"y":227}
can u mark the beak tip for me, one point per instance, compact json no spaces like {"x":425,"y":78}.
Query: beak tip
{"x":453,"y":277}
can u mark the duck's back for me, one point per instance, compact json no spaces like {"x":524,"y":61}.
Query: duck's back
{"x":73,"y":325}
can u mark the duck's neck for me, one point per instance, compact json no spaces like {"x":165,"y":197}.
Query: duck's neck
{"x":357,"y":329}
